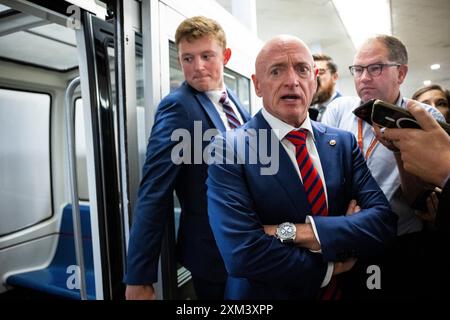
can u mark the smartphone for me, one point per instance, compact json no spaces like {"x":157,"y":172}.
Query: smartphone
{"x":364,"y":111}
{"x":391,"y":116}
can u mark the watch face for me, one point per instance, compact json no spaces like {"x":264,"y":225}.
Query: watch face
{"x":286,"y":231}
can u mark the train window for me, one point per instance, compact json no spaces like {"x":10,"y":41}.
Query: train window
{"x":233,"y":80}
{"x":240,"y":85}
{"x":80,"y":150}
{"x":176,"y":74}
{"x":25,"y":185}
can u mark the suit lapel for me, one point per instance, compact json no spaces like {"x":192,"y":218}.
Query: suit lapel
{"x":327,"y":150}
{"x":211,"y":111}
{"x":244,"y":114}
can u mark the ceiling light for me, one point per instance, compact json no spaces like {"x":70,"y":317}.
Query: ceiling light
{"x":427,"y":82}
{"x":364,"y":18}
{"x":435,"y":66}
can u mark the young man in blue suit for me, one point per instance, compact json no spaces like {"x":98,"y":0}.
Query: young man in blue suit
{"x":289,"y":233}
{"x":195,"y":104}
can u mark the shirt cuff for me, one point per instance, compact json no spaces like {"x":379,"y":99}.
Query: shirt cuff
{"x":328,"y":275}
{"x":310,"y":220}
{"x":330,"y":267}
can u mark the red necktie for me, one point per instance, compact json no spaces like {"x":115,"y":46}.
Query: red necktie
{"x":232,"y":118}
{"x":315,"y":193}
{"x":312,"y":182}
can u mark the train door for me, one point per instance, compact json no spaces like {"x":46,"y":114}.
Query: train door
{"x":42,"y":243}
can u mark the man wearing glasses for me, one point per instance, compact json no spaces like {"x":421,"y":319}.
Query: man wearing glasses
{"x":379,"y":68}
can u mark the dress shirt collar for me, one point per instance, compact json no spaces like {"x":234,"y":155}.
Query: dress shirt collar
{"x":281,"y":128}
{"x":214,"y":95}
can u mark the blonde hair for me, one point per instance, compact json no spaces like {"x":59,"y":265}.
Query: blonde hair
{"x":198,"y":27}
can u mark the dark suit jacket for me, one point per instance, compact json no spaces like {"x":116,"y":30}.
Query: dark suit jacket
{"x":196,"y":246}
{"x":241,"y":200}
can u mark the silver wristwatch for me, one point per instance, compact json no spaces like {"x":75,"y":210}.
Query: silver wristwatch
{"x":286,"y":232}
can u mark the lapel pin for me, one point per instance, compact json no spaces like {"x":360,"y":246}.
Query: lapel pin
{"x":332,"y":142}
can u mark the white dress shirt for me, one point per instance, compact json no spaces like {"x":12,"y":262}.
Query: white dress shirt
{"x":214,"y":96}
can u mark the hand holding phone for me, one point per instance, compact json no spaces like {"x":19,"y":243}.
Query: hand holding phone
{"x":391,"y":116}
{"x":425,"y":153}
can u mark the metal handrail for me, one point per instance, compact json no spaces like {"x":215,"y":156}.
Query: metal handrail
{"x":70,"y":138}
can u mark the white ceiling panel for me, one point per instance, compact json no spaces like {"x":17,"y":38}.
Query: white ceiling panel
{"x":423,"y":26}
{"x":57,"y":32}
{"x":26,"y":47}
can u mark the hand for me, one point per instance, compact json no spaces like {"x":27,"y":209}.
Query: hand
{"x":432,"y":205}
{"x":425,"y":153}
{"x":140,"y":292}
{"x":353,"y":208}
{"x":344,"y":266}
{"x":379,"y":134}
{"x":270,"y":229}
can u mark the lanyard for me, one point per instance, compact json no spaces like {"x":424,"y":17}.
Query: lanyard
{"x":372,"y":145}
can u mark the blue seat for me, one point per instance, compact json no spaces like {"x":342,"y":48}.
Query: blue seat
{"x":54,"y":279}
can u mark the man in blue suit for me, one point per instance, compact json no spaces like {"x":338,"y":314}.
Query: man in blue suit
{"x":199,"y":104}
{"x":284,"y":227}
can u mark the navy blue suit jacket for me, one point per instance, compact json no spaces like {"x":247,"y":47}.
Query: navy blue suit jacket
{"x":241,"y":201}
{"x":196,"y":247}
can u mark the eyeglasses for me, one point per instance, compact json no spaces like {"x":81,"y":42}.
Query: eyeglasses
{"x":374,"y":70}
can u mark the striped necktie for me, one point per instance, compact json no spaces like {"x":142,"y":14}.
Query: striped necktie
{"x":232,"y":118}
{"x":315,"y":193}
